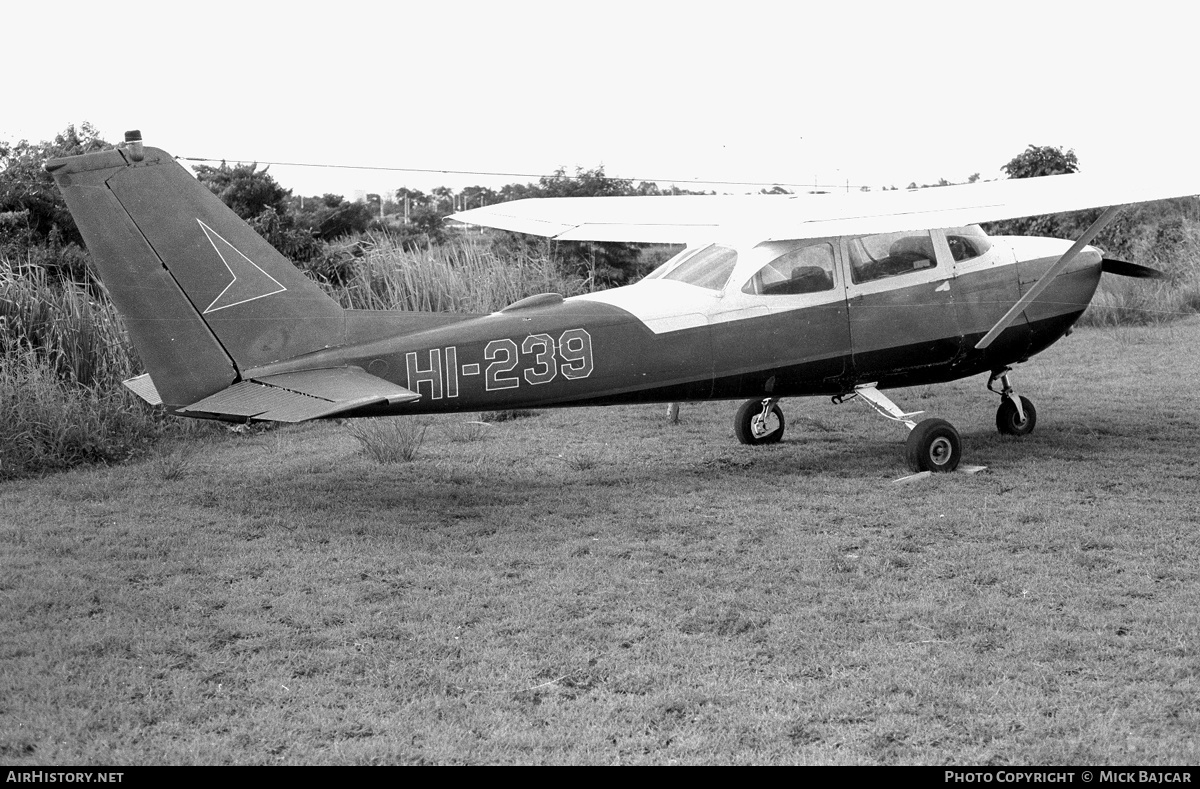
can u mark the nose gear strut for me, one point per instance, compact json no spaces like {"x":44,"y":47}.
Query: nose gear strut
{"x":1016,"y":415}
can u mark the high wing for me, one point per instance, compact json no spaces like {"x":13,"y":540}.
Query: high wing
{"x":664,"y":220}
{"x":693,"y":218}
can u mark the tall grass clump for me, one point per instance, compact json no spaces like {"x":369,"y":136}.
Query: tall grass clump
{"x":72,"y":328}
{"x":50,"y":424}
{"x":394,"y":440}
{"x":1127,"y":302}
{"x":63,"y":355}
{"x":1166,"y":237}
{"x":463,"y":275}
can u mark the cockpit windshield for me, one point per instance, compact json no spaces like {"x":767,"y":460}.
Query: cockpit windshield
{"x":670,"y":263}
{"x":708,"y":267}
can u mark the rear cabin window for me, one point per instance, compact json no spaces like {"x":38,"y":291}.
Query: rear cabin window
{"x":890,"y":255}
{"x":807,"y":269}
{"x":709,"y":268}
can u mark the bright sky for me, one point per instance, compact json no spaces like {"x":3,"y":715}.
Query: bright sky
{"x":871,"y":93}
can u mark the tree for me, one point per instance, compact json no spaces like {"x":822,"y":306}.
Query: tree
{"x":1038,"y":160}
{"x":26,"y":189}
{"x":443,"y":197}
{"x":430,"y":223}
{"x":607,"y":263}
{"x":510,"y":192}
{"x":244,"y":188}
{"x":415,"y":197}
{"x":1034,"y":162}
{"x":477,"y":196}
{"x":35,"y":224}
{"x":331,"y":216}
{"x":585,"y":183}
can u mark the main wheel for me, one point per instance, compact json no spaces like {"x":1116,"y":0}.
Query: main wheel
{"x":1010,"y":423}
{"x":751,"y":428}
{"x":934,"y":445}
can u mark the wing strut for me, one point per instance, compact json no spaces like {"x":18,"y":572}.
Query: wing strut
{"x":1049,"y":276}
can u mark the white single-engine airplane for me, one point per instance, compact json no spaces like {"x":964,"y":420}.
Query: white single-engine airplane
{"x":775,"y":296}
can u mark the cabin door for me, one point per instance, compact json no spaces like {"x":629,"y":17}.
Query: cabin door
{"x":903,"y":323}
{"x":780,"y":326}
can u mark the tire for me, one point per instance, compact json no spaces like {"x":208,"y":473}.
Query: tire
{"x":748,"y":417}
{"x":1009,"y":422}
{"x":934,"y":445}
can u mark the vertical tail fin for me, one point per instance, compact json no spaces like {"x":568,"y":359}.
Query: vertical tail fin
{"x":204,"y":297}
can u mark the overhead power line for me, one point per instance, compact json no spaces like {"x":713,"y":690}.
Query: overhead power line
{"x":517,"y":175}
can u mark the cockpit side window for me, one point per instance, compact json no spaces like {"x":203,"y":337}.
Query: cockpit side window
{"x":890,"y":255}
{"x":967,"y":243}
{"x":807,"y":269}
{"x":708,"y":268}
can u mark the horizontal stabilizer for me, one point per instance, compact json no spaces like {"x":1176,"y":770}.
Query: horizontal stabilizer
{"x":143,"y":387}
{"x":303,"y":395}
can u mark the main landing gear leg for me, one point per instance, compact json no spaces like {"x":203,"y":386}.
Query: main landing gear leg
{"x":1016,"y":415}
{"x":933,"y":444}
{"x":759,"y":422}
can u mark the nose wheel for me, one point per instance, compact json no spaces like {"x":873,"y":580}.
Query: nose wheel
{"x":1016,"y":415}
{"x":1014,"y":421}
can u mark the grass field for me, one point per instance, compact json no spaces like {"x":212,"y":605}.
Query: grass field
{"x":599,"y":586}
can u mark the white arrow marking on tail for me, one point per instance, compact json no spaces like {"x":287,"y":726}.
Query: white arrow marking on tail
{"x":251,"y":281}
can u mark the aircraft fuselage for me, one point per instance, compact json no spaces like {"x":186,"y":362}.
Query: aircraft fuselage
{"x":664,"y":340}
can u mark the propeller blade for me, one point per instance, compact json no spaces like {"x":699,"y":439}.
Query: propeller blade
{"x":1052,"y":272}
{"x":1123,"y":268}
